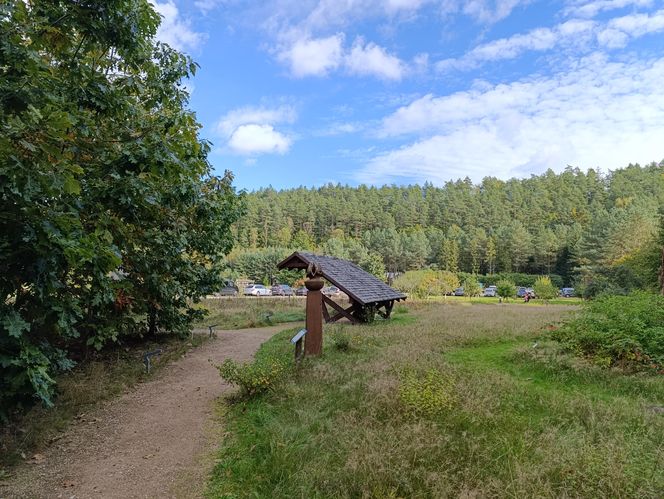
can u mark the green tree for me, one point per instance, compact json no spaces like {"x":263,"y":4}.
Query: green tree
{"x":506,"y":289}
{"x":471,"y":287}
{"x":490,"y":255}
{"x":373,"y":264}
{"x":450,"y":255}
{"x":544,"y":288}
{"x":111,"y":222}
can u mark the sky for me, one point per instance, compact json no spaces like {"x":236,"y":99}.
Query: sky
{"x":308,"y":92}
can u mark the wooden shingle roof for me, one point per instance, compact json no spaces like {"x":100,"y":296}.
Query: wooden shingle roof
{"x":358,"y":284}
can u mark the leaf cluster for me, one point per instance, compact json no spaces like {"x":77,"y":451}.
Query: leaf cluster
{"x":111,"y":221}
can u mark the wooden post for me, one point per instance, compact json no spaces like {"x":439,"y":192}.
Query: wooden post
{"x":313,"y":341}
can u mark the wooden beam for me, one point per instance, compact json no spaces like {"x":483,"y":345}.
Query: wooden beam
{"x":341,"y":312}
{"x":326,"y":313}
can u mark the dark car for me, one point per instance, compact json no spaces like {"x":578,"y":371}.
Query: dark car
{"x":229,"y":289}
{"x":282,"y":290}
{"x":302,"y":291}
{"x":521,"y":292}
{"x":459,"y":292}
{"x":567,"y":292}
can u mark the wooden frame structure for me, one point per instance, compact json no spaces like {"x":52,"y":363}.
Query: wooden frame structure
{"x":368,"y":295}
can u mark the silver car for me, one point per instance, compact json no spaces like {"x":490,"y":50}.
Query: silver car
{"x":257,"y":290}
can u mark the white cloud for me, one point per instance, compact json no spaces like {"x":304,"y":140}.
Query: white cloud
{"x":258,"y":139}
{"x":577,"y":34}
{"x":174,"y":31}
{"x":484,"y":11}
{"x":320,"y":56}
{"x":314,"y":57}
{"x":261,"y":115}
{"x":250,"y":130}
{"x":370,"y":59}
{"x":585,"y":8}
{"x":600,"y":113}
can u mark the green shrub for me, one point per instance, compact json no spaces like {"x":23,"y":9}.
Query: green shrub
{"x":253,"y":377}
{"x":544,"y":288}
{"x":426,"y":395}
{"x":471,"y":287}
{"x":341,"y":342}
{"x":506,"y":289}
{"x":618,"y":330}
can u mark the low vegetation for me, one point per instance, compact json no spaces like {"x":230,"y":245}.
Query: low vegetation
{"x":445,"y":400}
{"x":245,"y":312}
{"x":625,"y":331}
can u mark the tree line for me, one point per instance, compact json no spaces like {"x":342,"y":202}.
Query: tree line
{"x":595,"y":229}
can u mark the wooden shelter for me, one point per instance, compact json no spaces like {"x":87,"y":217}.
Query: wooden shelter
{"x":368,"y":295}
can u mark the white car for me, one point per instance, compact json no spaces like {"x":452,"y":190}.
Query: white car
{"x":491,"y":291}
{"x":257,"y":290}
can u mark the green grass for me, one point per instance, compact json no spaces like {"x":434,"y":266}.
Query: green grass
{"x":101,"y":377}
{"x":496,"y":300}
{"x":502,"y":418}
{"x":245,"y":312}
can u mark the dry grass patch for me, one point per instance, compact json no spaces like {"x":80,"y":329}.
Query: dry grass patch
{"x":251,"y":311}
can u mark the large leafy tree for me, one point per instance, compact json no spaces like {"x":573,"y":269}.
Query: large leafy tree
{"x":111,"y":222}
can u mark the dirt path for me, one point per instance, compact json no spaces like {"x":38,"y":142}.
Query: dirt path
{"x":156,"y":441}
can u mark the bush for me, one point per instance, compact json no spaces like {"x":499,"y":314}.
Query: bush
{"x":425,"y":283}
{"x":618,"y":330}
{"x":428,"y":394}
{"x":544,"y":288}
{"x":341,"y":342}
{"x":255,"y":377}
{"x":506,"y":289}
{"x":471,"y":287}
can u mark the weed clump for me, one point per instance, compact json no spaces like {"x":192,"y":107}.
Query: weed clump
{"x":254,"y":377}
{"x":621,"y":331}
{"x":428,"y":394}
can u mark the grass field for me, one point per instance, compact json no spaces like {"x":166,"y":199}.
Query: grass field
{"x":445,"y":401}
{"x":251,"y":311}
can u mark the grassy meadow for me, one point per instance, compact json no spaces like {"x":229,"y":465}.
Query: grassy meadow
{"x":251,"y":311}
{"x":445,"y":400}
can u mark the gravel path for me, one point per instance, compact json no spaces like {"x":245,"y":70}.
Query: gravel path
{"x":156,"y":441}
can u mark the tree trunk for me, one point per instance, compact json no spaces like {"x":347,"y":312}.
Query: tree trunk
{"x":152,"y":321}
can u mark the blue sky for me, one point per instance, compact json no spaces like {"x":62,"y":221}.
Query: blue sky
{"x":308,"y":92}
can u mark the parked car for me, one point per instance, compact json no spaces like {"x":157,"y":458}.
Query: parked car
{"x":491,"y":291}
{"x":301,"y":291}
{"x":531,"y":292}
{"x":331,"y":291}
{"x":458,"y":292}
{"x":567,"y":292}
{"x":229,"y":289}
{"x":257,"y":290}
{"x":521,"y":291}
{"x":282,"y":290}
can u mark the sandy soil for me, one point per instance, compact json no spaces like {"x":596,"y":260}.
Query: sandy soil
{"x":155,"y":441}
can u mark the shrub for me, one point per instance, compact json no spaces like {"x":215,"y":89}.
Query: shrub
{"x":253,"y":377}
{"x":471,"y":287}
{"x":618,"y":330}
{"x":341,"y":342}
{"x":544,"y":288}
{"x":425,"y":283}
{"x":426,"y":395}
{"x":505,"y":289}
